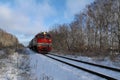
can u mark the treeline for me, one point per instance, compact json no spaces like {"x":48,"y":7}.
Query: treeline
{"x":95,"y":30}
{"x":8,"y":41}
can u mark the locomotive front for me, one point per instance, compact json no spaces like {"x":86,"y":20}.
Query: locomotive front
{"x":44,"y":42}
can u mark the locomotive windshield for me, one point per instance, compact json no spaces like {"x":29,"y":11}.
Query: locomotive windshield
{"x":41,"y":35}
{"x":47,"y":36}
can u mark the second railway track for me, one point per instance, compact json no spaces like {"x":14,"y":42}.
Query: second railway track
{"x":95,"y":72}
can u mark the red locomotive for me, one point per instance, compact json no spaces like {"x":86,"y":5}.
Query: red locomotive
{"x":41,"y":43}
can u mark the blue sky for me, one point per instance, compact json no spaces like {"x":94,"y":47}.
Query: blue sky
{"x":25,"y":18}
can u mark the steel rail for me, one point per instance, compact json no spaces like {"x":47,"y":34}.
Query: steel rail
{"x":87,"y":70}
{"x":101,"y":66}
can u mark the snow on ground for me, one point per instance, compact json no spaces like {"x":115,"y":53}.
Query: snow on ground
{"x":103,"y":61}
{"x":28,"y":65}
{"x":1,"y":52}
{"x":43,"y":66}
{"x":14,"y":67}
{"x":107,"y":72}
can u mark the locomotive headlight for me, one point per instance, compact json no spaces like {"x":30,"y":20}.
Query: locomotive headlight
{"x":44,"y":33}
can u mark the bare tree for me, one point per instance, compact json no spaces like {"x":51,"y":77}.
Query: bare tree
{"x":97,"y":29}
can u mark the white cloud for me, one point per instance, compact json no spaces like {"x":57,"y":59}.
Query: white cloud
{"x":5,"y":13}
{"x":75,"y":6}
{"x":26,"y":16}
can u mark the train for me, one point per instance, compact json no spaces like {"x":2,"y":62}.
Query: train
{"x":41,"y":43}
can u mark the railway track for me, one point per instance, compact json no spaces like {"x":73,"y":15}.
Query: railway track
{"x":102,"y":66}
{"x":77,"y":64}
